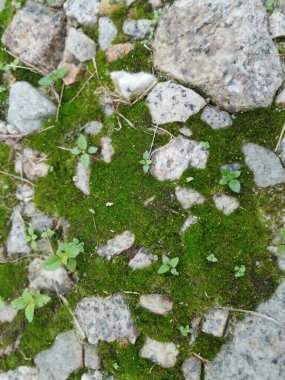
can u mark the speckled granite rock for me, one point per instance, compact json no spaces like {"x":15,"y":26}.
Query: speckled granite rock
{"x":20,"y":373}
{"x":93,"y":127}
{"x":215,"y":322}
{"x":216,"y":118}
{"x":106,"y":319}
{"x":137,"y":29}
{"x":188,"y":197}
{"x":16,"y":243}
{"x":225,"y":51}
{"x":79,"y":45}
{"x":225,"y":203}
{"x":91,"y":356}
{"x":189,"y":221}
{"x":31,"y":163}
{"x":107,"y":32}
{"x":142,"y":259}
{"x":36,"y":34}
{"x":170,"y":161}
{"x":156,"y":303}
{"x":185,"y":132}
{"x":118,"y":51}
{"x":7,"y":314}
{"x":132,"y":84}
{"x":83,"y":11}
{"x":163,"y":354}
{"x":277,"y":24}
{"x":117,"y":245}
{"x":192,"y":368}
{"x":170,"y":102}
{"x":107,"y":149}
{"x":82,"y":178}
{"x":265,"y":165}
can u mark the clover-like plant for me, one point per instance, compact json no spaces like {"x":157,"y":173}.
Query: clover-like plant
{"x":83,"y":151}
{"x":65,"y":256}
{"x":281,"y":248}
{"x":240,"y":271}
{"x":146,"y":161}
{"x":30,"y":300}
{"x":47,"y":234}
{"x":53,"y":77}
{"x":31,"y":238}
{"x":212,"y":258}
{"x":169,"y":265}
{"x":185,"y":330}
{"x":229,"y":177}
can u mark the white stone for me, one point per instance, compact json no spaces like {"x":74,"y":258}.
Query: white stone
{"x":117,"y":245}
{"x":31,"y":163}
{"x":277,"y":24}
{"x":91,"y":356}
{"x":216,"y":118}
{"x":107,"y":32}
{"x":215,"y":322}
{"x":82,"y":178}
{"x":169,"y":102}
{"x":142,"y":259}
{"x":107,"y":150}
{"x":192,"y":368}
{"x":16,"y":242}
{"x":190,"y":221}
{"x":132,"y":84}
{"x":188,"y":197}
{"x":225,"y":203}
{"x":2,"y":5}
{"x":156,"y":303}
{"x":137,"y":29}
{"x":7,"y":314}
{"x":20,"y":373}
{"x":155,"y":3}
{"x":84,"y":11}
{"x":280,"y":99}
{"x":163,"y":354}
{"x":185,"y":132}
{"x":93,"y":127}
{"x":80,"y":45}
{"x":41,"y":222}
{"x":25,"y":193}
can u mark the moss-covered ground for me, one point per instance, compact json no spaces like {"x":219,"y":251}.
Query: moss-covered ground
{"x":240,"y":238}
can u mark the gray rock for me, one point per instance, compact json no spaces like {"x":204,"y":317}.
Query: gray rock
{"x":96,"y":375}
{"x":41,"y":222}
{"x":277,"y":24}
{"x":170,"y":102}
{"x":188,"y":197}
{"x":16,"y":242}
{"x":107,"y":150}
{"x":282,"y":151}
{"x":215,"y":322}
{"x":93,"y":127}
{"x":91,"y":356}
{"x":192,"y":368}
{"x":155,"y":3}
{"x":163,"y":354}
{"x":107,"y":32}
{"x":7,"y":314}
{"x":28,"y":108}
{"x":20,"y":373}
{"x":132,"y":84}
{"x":137,"y":29}
{"x":142,"y":259}
{"x":216,"y":118}
{"x":80,"y":46}
{"x":185,"y":132}
{"x":106,"y":319}
{"x":280,"y":99}
{"x":265,"y":165}
{"x":31,"y":163}
{"x":25,"y":193}
{"x":63,"y":358}
{"x":36,"y":35}
{"x":190,"y":221}
{"x":117,"y":245}
{"x":82,"y":178}
{"x":225,"y":51}
{"x":156,"y":303}
{"x":2,"y":5}
{"x":225,"y":203}
{"x":84,"y":11}
{"x":171,"y":160}
{"x":257,"y":348}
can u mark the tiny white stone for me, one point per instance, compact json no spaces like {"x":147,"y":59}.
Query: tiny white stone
{"x":80,"y":45}
{"x":188,"y":197}
{"x":82,"y":178}
{"x":137,"y":29}
{"x":277,"y":24}
{"x":117,"y":245}
{"x":215,"y":322}
{"x":226,"y":203}
{"x":132,"y":84}
{"x":107,"y":32}
{"x":190,"y":221}
{"x":156,"y":303}
{"x":163,"y":354}
{"x":107,"y":151}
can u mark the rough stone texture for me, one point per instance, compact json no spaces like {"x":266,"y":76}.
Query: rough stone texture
{"x":185,"y":132}
{"x":225,"y":51}
{"x":107,"y":32}
{"x":137,"y":29}
{"x":117,"y":245}
{"x":93,"y":127}
{"x":106,"y":319}
{"x":31,"y":163}
{"x":188,"y":197}
{"x":20,"y":373}
{"x":155,"y":3}
{"x":107,"y":150}
{"x":91,"y":356}
{"x":25,"y":193}
{"x":225,"y":203}
{"x":28,"y":107}
{"x":142,"y":259}
{"x":257,"y":348}
{"x":282,"y":151}
{"x":265,"y":165}
{"x":41,"y":222}
{"x":215,"y":322}
{"x":16,"y":243}
{"x":82,"y":178}
{"x":156,"y":303}
{"x":190,"y":220}
{"x":170,"y":161}
{"x":170,"y":102}
{"x":163,"y":354}
{"x":73,"y":75}
{"x":2,"y":5}
{"x":36,"y":34}
{"x":118,"y":51}
{"x":56,"y":280}
{"x":280,"y":99}
{"x":80,"y":46}
{"x":7,"y":314}
{"x":216,"y":118}
{"x":63,"y":358}
{"x":84,"y":11}
{"x":192,"y":368}
{"x":132,"y":84}
{"x":277,"y":24}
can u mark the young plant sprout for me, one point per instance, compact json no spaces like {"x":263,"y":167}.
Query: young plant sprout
{"x":31,"y":238}
{"x":185,"y":330}
{"x":240,"y":271}
{"x":229,"y":177}
{"x":30,"y":300}
{"x":53,"y":77}
{"x":212,"y":258}
{"x":83,"y":151}
{"x":169,"y":265}
{"x":146,"y":161}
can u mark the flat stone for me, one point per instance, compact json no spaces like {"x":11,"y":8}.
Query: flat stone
{"x":16,"y":243}
{"x":277,"y":24}
{"x":84,"y":11}
{"x":63,"y":358}
{"x":137,"y":29}
{"x":117,"y":245}
{"x":31,"y":163}
{"x":36,"y":35}
{"x":225,"y":51}
{"x":280,"y":99}
{"x":79,"y":45}
{"x":171,"y":160}
{"x":192,"y":368}
{"x":28,"y":108}
{"x":132,"y":84}
{"x":189,"y":221}
{"x":169,"y":102}
{"x":91,"y":356}
{"x":163,"y":354}
{"x":216,"y":118}
{"x":118,"y":51}
{"x":93,"y":128}
{"x":106,"y":319}
{"x":142,"y":259}
{"x":215,"y":322}
{"x":82,"y":178}
{"x":7,"y":314}
{"x":107,"y":150}
{"x":225,"y":203}
{"x":41,"y":222}
{"x":73,"y":75}
{"x":188,"y":197}
{"x":56,"y":280}
{"x":185,"y":132}
{"x":20,"y":373}
{"x":156,"y":303}
{"x":282,"y":151}
{"x":107,"y":32}
{"x":265,"y":165}
{"x":25,"y":193}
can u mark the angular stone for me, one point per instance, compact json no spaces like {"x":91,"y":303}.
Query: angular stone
{"x":36,"y":35}
{"x":107,"y":32}
{"x":93,"y":128}
{"x":20,"y":373}
{"x":25,"y":193}
{"x":132,"y":84}
{"x":84,"y":11}
{"x":82,"y":178}
{"x":192,"y":368}
{"x":277,"y":24}
{"x":155,"y":3}
{"x":185,"y":132}
{"x":225,"y":51}
{"x":73,"y":75}
{"x":171,"y":160}
{"x":216,"y":118}
{"x":107,"y":150}
{"x":225,"y":203}
{"x":280,"y":99}
{"x":80,"y":46}
{"x":265,"y":165}
{"x":156,"y":303}
{"x":169,"y":102}
{"x":117,"y":245}
{"x":163,"y":354}
{"x":142,"y":259}
{"x":106,"y":319}
{"x":7,"y":314}
{"x":118,"y":51}
{"x":28,"y":108}
{"x":41,"y":222}
{"x":188,"y":197}
{"x":16,"y":242}
{"x":31,"y":163}
{"x":137,"y":29}
{"x":91,"y":356}
{"x":215,"y":322}
{"x":63,"y":358}
{"x":190,"y":221}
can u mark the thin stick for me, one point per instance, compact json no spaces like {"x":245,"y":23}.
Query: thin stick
{"x":130,"y":124}
{"x":46,"y":129}
{"x":143,"y":95}
{"x":37,"y":70}
{"x":280,"y":138}
{"x":203,"y":360}
{"x":59,"y":102}
{"x":19,"y":136}
{"x":19,"y":178}
{"x":154,"y":134}
{"x":83,"y":87}
{"x":129,"y":292}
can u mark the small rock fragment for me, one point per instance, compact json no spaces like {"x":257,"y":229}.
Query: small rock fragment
{"x":215,"y":322}
{"x":149,"y":201}
{"x":282,"y":151}
{"x":185,"y":131}
{"x":73,"y":75}
{"x":16,"y":242}
{"x":163,"y":354}
{"x":25,"y":193}
{"x":132,"y":84}
{"x":156,"y":303}
{"x":155,"y":3}
{"x":82,"y":178}
{"x":84,"y":11}
{"x":188,"y":197}
{"x":117,"y":245}
{"x":107,"y":150}
{"x":31,"y":163}
{"x":142,"y":259}
{"x":190,"y":221}
{"x":216,"y":118}
{"x":118,"y":51}
{"x":91,"y":356}
{"x":137,"y":29}
{"x":192,"y":368}
{"x":93,"y":128}
{"x":20,"y":373}
{"x":107,"y":32}
{"x":7,"y":314}
{"x":280,"y":99}
{"x":41,"y":222}
{"x":277,"y":24}
{"x":226,"y":203}
{"x":80,"y":46}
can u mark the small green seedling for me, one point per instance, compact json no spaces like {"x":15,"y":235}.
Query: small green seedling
{"x":2,"y":303}
{"x":205,"y":144}
{"x":116,"y":366}
{"x":146,"y":161}
{"x":281,"y":248}
{"x":229,"y":177}
{"x":10,"y":66}
{"x":269,"y":5}
{"x":169,"y":265}
{"x":47,"y":234}
{"x":31,"y":238}
{"x":53,"y":77}
{"x":30,"y":300}
{"x":92,"y":211}
{"x":83,"y":151}
{"x":240,"y":271}
{"x":212,"y":258}
{"x":64,"y":256}
{"x":185,"y":330}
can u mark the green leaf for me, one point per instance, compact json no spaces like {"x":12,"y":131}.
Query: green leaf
{"x":142,"y":162}
{"x":82,"y":142}
{"x":33,"y":244}
{"x":92,"y":210}
{"x":223,"y":181}
{"x":163,"y":269}
{"x":75,"y":151}
{"x":18,"y":304}
{"x":146,"y":168}
{"x":46,"y":81}
{"x":236,"y":173}
{"x":29,"y":312}
{"x":52,"y":263}
{"x":281,"y":249}
{"x":282,"y":233}
{"x":85,"y":160}
{"x":71,"y":265}
{"x":27,"y":297}
{"x":1,"y":303}
{"x":92,"y":149}
{"x":60,"y":73}
{"x":146,"y":155}
{"x":234,"y":185}
{"x":173,"y":262}
{"x":165,"y":259}
{"x":174,"y":272}
{"x":41,"y":300}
